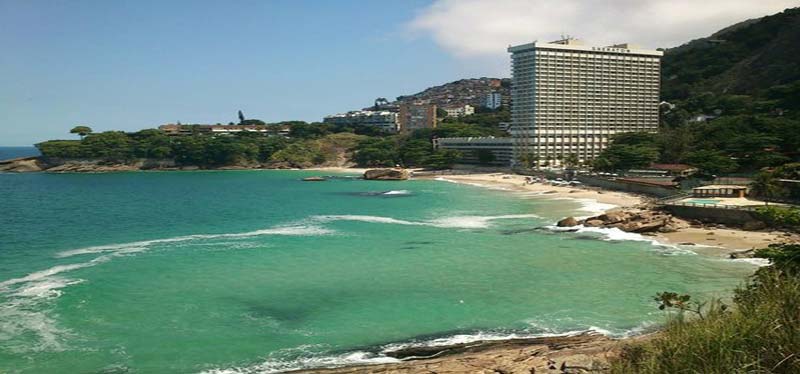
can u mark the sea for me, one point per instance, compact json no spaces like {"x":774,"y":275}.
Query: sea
{"x":242,"y":272}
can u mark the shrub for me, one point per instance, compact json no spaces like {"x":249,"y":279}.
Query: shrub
{"x":759,"y":335}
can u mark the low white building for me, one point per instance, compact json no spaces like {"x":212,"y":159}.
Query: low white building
{"x":385,"y":120}
{"x":460,"y":111}
{"x":494,"y":100}
{"x":480,"y":150}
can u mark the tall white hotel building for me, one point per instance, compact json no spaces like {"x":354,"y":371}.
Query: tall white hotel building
{"x":568,"y":98}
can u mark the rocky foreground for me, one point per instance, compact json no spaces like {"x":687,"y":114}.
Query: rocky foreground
{"x":585,"y":353}
{"x":637,"y":220}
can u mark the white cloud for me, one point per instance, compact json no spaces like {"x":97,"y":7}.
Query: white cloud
{"x":480,"y":30}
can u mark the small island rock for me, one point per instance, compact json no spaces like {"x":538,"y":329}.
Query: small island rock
{"x":386,"y":174}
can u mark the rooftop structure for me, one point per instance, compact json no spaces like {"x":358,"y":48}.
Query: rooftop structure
{"x":460,"y":111}
{"x":720,"y":190}
{"x":570,"y":98}
{"x":385,"y":120}
{"x":185,"y":130}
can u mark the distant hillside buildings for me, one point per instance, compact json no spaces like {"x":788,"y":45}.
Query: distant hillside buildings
{"x":417,"y":115}
{"x":494,"y":100}
{"x":459,"y":111}
{"x":186,"y":130}
{"x":384,"y":120}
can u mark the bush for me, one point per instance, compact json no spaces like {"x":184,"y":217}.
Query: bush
{"x":760,"y":335}
{"x":778,"y":215}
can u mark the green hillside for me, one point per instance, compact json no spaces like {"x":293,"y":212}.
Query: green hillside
{"x":746,"y":58}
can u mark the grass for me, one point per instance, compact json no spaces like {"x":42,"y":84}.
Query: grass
{"x":760,"y":334}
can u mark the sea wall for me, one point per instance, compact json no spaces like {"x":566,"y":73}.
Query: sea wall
{"x":653,"y":190}
{"x":717,"y":215}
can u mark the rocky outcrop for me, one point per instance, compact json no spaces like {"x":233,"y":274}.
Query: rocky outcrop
{"x":387,"y":174}
{"x":21,"y":165}
{"x":585,"y":353}
{"x":637,"y":220}
{"x":568,"y":222}
{"x":754,"y":225}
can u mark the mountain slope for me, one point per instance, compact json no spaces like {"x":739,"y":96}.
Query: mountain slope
{"x":745,"y":58}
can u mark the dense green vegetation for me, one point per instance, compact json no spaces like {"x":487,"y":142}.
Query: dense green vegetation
{"x":759,"y":334}
{"x":745,"y":83}
{"x":310,"y":145}
{"x":742,"y":59}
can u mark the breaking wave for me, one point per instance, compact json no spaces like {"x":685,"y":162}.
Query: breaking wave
{"x":25,"y":310}
{"x":312,"y":358}
{"x":457,"y":222}
{"x":299,"y":230}
{"x":615,"y":234}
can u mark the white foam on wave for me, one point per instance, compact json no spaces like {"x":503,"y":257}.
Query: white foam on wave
{"x":760,"y":262}
{"x":310,"y":361}
{"x":615,"y":234}
{"x":488,"y":186}
{"x":296,"y":230}
{"x":397,"y":192}
{"x":457,"y":222}
{"x":317,"y":360}
{"x":24,"y":312}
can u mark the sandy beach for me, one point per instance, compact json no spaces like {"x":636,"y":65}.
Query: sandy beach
{"x":707,"y":240}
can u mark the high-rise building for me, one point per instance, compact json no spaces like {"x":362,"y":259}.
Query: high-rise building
{"x":494,"y":100}
{"x":414,"y":116}
{"x":570,"y":98}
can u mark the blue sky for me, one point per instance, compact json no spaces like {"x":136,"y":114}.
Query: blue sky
{"x":138,"y":64}
{"x":128,"y":65}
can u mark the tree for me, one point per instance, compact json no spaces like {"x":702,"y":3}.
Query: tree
{"x":571,"y":160}
{"x":620,"y":156}
{"x":766,"y":186}
{"x":529,"y":160}
{"x":442,"y":159}
{"x":711,"y":162}
{"x":81,"y":130}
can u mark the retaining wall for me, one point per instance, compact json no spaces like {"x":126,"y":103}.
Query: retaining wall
{"x":659,"y":191}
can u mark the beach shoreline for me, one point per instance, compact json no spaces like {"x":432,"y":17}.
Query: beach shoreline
{"x":709,"y":240}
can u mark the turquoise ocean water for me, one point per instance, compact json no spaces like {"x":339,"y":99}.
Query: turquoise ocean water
{"x":258,"y":272}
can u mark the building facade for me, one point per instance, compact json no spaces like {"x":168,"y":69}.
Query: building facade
{"x":570,"y":98}
{"x":385,"y":120}
{"x":494,"y":100}
{"x":460,"y":111}
{"x":479,"y":150}
{"x":189,"y":130}
{"x":413,"y":116}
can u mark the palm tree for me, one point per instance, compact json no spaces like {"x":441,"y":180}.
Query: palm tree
{"x":766,"y":186}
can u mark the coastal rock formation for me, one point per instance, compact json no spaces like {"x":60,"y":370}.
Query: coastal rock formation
{"x":568,"y":222}
{"x":21,"y":165}
{"x":754,"y":225}
{"x":585,"y":353}
{"x":636,"y":220}
{"x":387,"y":174}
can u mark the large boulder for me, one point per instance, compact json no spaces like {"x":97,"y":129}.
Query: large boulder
{"x":593,"y":223}
{"x":387,"y":174}
{"x":21,"y":165}
{"x":567,"y":222}
{"x":613,"y":217}
{"x":754,"y":225}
